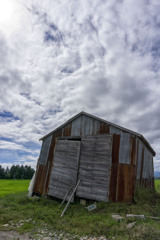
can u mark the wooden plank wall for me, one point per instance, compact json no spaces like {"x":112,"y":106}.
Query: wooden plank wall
{"x":94,"y":169}
{"x":65,"y":167}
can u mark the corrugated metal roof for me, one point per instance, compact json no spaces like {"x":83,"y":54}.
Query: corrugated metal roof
{"x":107,"y":122}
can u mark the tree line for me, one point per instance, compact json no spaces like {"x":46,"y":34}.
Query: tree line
{"x":16,"y":172}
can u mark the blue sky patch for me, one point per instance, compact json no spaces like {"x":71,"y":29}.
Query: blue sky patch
{"x":53,"y":26}
{"x":49,"y":37}
{"x":6,"y":114}
{"x":67,"y":70}
{"x":52,"y":37}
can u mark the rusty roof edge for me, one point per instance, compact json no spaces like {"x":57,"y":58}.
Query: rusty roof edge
{"x":102,"y":120}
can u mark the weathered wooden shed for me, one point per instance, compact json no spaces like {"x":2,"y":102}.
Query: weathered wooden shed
{"x":108,"y":159}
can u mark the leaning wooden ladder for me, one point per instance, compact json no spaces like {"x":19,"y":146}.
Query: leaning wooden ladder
{"x":69,"y":198}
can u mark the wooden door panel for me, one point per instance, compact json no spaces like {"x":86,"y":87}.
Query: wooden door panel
{"x":94,"y":168}
{"x":65,"y":167}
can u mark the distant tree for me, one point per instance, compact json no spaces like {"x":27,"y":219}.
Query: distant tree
{"x":21,"y":170}
{"x":13,"y":172}
{"x":2,"y":172}
{"x":16,"y":172}
{"x":7,"y":173}
{"x":28,"y":172}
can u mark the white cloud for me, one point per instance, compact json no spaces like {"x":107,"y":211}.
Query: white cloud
{"x":58,"y":59}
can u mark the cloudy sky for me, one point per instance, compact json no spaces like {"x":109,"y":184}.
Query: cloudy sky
{"x":60,"y":57}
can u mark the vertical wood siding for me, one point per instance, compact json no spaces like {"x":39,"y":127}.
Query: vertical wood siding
{"x":50,"y":159}
{"x":137,"y":153}
{"x":44,"y":151}
{"x":122,"y":180}
{"x":124,"y":151}
{"x":40,"y":179}
{"x":66,"y":131}
{"x":133,"y":150}
{"x":94,"y":170}
{"x":125,"y":183}
{"x":139,"y":160}
{"x":114,"y":167}
{"x":65,"y":168}
{"x":145,"y":171}
{"x":85,"y":126}
{"x":115,"y":130}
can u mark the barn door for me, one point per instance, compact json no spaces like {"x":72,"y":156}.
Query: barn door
{"x":65,"y":168}
{"x":94,"y":169}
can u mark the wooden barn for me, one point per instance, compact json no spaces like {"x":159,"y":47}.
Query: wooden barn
{"x":107,"y":159}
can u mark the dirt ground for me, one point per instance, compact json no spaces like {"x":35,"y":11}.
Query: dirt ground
{"x":12,"y":235}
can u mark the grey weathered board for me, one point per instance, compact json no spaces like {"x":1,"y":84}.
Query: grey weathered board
{"x":65,"y":167}
{"x":94,"y":167}
{"x":44,"y":151}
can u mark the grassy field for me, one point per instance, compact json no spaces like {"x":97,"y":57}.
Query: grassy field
{"x":8,"y":186}
{"x":31,"y":214}
{"x":157,"y":185}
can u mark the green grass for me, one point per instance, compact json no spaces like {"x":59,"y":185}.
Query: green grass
{"x":9,"y":186}
{"x":45,"y":213}
{"x":157,"y":185}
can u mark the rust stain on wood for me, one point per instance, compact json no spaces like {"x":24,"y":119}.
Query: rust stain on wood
{"x":115,"y":148}
{"x":125,"y":183}
{"x":67,"y":130}
{"x":114,"y":167}
{"x":113,"y":182}
{"x":40,"y":178}
{"x":104,"y":128}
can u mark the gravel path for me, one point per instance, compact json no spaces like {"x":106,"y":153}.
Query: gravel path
{"x":39,"y":233}
{"x":12,"y":235}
